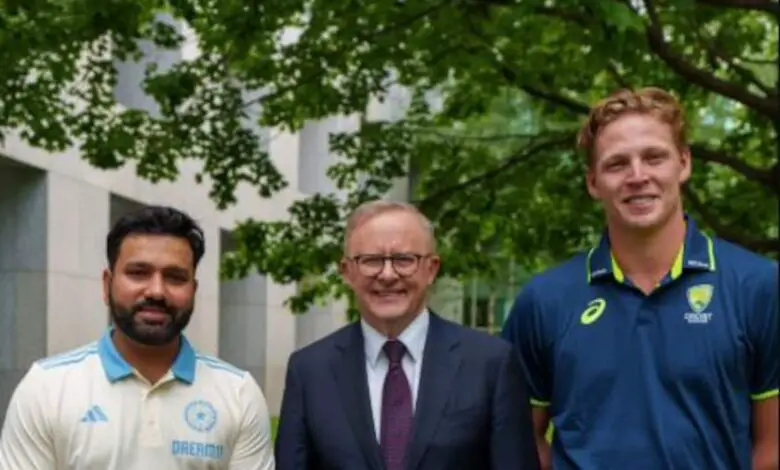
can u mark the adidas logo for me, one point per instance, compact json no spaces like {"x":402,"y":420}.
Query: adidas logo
{"x":94,"y":415}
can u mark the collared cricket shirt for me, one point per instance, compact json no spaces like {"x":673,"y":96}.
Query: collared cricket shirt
{"x":664,"y":380}
{"x":89,"y":410}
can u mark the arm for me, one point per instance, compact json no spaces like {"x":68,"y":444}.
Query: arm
{"x":763,"y":327}
{"x":26,"y":440}
{"x":512,"y":445}
{"x":765,"y":434}
{"x":292,"y":443}
{"x":542,"y":435}
{"x":523,"y":330}
{"x":253,"y":449}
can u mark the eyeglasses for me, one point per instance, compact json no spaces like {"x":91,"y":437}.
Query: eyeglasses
{"x":404,"y":264}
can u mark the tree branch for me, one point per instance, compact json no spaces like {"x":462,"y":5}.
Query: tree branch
{"x":570,"y":104}
{"x":617,"y":76}
{"x":366,"y":36}
{"x":702,"y":78}
{"x":701,"y":151}
{"x":706,"y":154}
{"x":514,"y":79}
{"x":767,"y":245}
{"x":527,"y":152}
{"x":754,"y":5}
{"x":478,"y":138}
{"x":716,"y":53}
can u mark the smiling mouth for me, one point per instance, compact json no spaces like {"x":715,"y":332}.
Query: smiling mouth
{"x":153,"y":317}
{"x":389,"y":294}
{"x":639,"y":199}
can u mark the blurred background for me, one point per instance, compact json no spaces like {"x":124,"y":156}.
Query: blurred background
{"x":269,"y":120}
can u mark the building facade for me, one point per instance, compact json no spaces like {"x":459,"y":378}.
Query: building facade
{"x":55,"y":212}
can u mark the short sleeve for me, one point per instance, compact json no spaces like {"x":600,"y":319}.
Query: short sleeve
{"x":26,"y":440}
{"x":523,"y":329}
{"x":763,"y":329}
{"x":253,"y":449}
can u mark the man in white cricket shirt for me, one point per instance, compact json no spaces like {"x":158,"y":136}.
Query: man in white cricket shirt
{"x":140,"y":398}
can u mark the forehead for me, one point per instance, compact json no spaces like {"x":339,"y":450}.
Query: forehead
{"x":633,"y":132}
{"x":155,"y":250}
{"x":389,"y":231}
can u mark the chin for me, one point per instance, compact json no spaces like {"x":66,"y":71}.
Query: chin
{"x":389,"y":312}
{"x":647,"y":221}
{"x":644,"y":223}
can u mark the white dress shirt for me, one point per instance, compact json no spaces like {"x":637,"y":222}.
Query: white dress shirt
{"x":377,"y":363}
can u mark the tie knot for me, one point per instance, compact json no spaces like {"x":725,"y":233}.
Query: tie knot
{"x":395,"y":351}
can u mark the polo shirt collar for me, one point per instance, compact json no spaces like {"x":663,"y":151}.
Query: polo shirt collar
{"x":696,"y":254}
{"x":116,"y":368}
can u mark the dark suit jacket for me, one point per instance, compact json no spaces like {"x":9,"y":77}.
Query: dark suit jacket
{"x":472,"y":410}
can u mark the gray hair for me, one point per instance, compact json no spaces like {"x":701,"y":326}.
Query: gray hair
{"x":371,"y":209}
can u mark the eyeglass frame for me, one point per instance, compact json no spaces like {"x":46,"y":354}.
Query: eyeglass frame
{"x":385,"y":258}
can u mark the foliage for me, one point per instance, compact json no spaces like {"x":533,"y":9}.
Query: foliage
{"x":494,"y":167}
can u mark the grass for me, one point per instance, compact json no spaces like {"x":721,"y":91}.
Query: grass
{"x":274,"y":426}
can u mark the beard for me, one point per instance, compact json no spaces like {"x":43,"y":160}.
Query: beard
{"x":147,"y":333}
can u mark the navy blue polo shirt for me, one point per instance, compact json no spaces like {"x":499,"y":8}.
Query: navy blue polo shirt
{"x":658,"y":381}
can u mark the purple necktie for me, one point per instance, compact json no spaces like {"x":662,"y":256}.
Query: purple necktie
{"x":397,"y":414}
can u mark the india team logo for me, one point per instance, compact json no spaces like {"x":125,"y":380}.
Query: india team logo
{"x":200,"y":416}
{"x":699,"y":297}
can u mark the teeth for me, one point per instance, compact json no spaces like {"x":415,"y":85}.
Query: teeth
{"x":640,"y":198}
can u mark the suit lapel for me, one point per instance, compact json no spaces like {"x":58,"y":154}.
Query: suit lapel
{"x":441,"y":362}
{"x":349,"y":369}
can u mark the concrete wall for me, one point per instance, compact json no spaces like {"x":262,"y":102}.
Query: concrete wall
{"x":55,"y":211}
{"x":23,"y":272}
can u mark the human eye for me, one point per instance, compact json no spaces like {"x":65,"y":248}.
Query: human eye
{"x":404,"y":259}
{"x":371,"y":260}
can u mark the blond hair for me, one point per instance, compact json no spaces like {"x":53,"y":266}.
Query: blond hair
{"x":369,"y":210}
{"x":652,"y":101}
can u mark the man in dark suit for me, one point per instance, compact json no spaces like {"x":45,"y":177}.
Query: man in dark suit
{"x":403,"y":389}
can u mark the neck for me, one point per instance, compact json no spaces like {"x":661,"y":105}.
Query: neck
{"x":152,"y":362}
{"x":646,"y":257}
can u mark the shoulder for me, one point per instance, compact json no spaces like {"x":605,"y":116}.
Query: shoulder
{"x":48,"y":377}
{"x":320,"y":351}
{"x":473,"y":341}
{"x":542,"y":293}
{"x":74,"y":358}
{"x":232,"y":385}
{"x":731,"y":256}
{"x":570,"y":274}
{"x":218,"y":369}
{"x":58,"y":366}
{"x":743,"y":267}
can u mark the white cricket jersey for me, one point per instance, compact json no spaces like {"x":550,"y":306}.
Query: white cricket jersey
{"x":89,"y":410}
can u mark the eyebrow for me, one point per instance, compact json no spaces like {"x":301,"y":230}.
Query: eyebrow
{"x":147,"y":265}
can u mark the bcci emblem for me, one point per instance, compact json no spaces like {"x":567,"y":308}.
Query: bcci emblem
{"x":699,"y":298}
{"x":200,"y":416}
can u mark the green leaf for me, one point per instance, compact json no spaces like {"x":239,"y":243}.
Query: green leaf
{"x":494,"y":167}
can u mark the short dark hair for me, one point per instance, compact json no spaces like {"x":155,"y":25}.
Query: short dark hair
{"x":155,"y":220}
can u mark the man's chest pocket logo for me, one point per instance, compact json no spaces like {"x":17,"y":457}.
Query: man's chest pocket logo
{"x":593,"y":311}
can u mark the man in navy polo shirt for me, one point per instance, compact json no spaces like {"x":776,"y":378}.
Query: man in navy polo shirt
{"x":658,"y":348}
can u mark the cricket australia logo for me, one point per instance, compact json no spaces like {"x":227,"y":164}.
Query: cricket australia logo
{"x":699,"y":298}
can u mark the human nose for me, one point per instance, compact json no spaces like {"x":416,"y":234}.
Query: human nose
{"x":155,"y":289}
{"x":387,"y":271}
{"x":637,"y":173}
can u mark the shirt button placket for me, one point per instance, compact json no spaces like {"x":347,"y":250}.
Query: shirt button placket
{"x":151,"y":435}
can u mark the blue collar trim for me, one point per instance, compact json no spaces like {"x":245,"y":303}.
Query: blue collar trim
{"x":116,"y":368}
